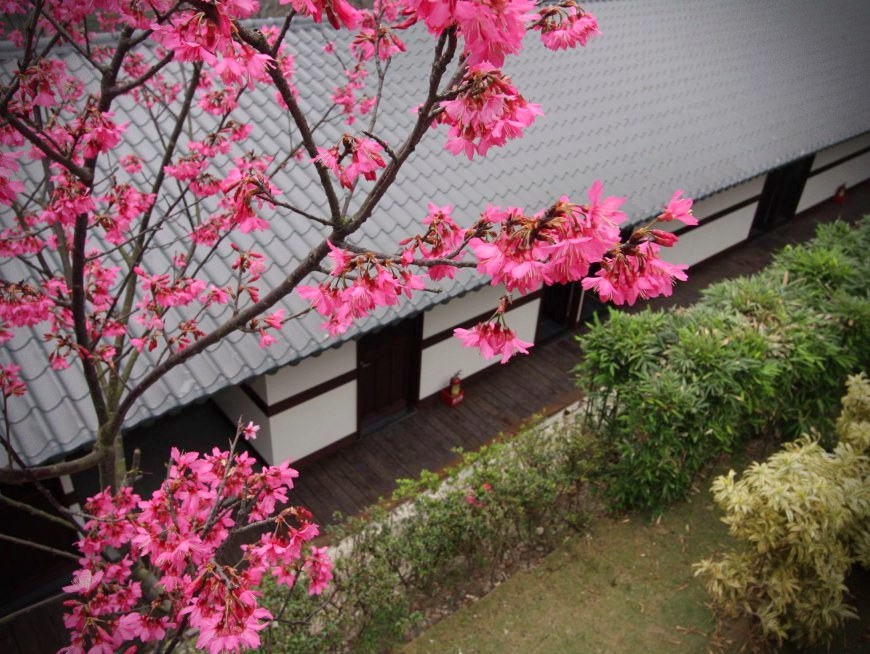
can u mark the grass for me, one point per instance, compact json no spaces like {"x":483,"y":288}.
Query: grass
{"x":626,"y":586}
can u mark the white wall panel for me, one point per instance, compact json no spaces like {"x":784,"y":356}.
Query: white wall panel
{"x":234,"y":403}
{"x":441,"y":360}
{"x":445,"y":316}
{"x":822,"y":187}
{"x":290,"y":380}
{"x":721,"y":201}
{"x":706,"y":240}
{"x":831,"y":155}
{"x":314,"y":424}
{"x":728,"y":198}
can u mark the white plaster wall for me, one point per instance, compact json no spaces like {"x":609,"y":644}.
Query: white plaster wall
{"x":706,"y":240}
{"x":445,"y":316}
{"x":728,"y":198}
{"x":290,"y":380}
{"x":314,"y":424}
{"x":822,"y":187}
{"x":234,"y":403}
{"x":830,"y":155}
{"x":720,"y":201}
{"x":441,"y":360}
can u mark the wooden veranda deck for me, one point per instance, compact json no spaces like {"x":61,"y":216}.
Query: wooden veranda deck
{"x":497,"y":401}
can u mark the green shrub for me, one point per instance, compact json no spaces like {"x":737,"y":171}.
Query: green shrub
{"x":509,"y":498}
{"x":758,"y":356}
{"x":801,"y":520}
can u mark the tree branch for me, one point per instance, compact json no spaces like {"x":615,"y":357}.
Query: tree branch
{"x":52,"y":470}
{"x":286,"y":26}
{"x":44,"y":548}
{"x":84,"y":175}
{"x":444,"y":52}
{"x":121,"y":89}
{"x":307,"y":265}
{"x":72,"y":42}
{"x":39,"y":513}
{"x":297,"y":210}
{"x":259,"y":43}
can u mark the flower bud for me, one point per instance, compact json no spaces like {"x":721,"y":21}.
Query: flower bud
{"x":663,"y":238}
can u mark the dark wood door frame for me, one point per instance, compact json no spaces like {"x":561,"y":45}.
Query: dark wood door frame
{"x":388,"y":373}
{"x":781,"y":195}
{"x":558,"y":312}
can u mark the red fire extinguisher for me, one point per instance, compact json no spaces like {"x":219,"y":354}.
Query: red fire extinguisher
{"x":840,"y":194}
{"x":453,"y":394}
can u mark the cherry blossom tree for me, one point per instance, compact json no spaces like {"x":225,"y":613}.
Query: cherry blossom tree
{"x":82,"y":218}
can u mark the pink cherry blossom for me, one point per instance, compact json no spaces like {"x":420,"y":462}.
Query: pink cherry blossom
{"x":492,"y":29}
{"x":624,"y":278}
{"x":488,"y":114}
{"x":250,"y":431}
{"x":319,"y":569}
{"x":493,"y":339}
{"x":365,"y":159}
{"x":338,"y":12}
{"x":175,"y":533}
{"x":565,"y":25}
{"x":88,"y":217}
{"x":382,"y":38}
{"x":679,"y":209}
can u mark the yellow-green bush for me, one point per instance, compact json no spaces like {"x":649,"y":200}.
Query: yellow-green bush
{"x":801,"y":519}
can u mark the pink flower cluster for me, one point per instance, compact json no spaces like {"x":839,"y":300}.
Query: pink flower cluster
{"x":345,"y":96}
{"x":22,"y":305}
{"x":244,"y":189}
{"x":486,"y":112}
{"x":9,"y":187}
{"x":123,"y":205}
{"x":364,"y":154}
{"x":271,"y":321}
{"x":200,"y":36}
{"x":359,"y":284}
{"x":638,"y":273}
{"x":560,"y":245}
{"x":443,"y":240}
{"x":376,"y":38}
{"x":181,"y":535}
{"x":338,"y":12}
{"x":555,"y":246}
{"x":10,"y":384}
{"x":490,"y":29}
{"x":635,"y":270}
{"x":493,"y":339}
{"x":565,"y":25}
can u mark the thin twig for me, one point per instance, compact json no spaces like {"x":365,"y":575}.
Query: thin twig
{"x":38,"y":546}
{"x":24,"y":506}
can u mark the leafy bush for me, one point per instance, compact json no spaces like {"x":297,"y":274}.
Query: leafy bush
{"x":761,"y":355}
{"x":511,"y":498}
{"x":802,"y":518}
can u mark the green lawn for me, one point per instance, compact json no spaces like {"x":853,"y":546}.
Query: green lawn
{"x":627,"y":586}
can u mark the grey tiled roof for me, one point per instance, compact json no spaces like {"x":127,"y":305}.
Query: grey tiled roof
{"x":696,"y":95}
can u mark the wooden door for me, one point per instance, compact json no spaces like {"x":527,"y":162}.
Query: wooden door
{"x":559,"y":304}
{"x":388,"y":380}
{"x":781,"y":195}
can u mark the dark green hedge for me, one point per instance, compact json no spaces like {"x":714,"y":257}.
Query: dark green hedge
{"x":762,"y":355}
